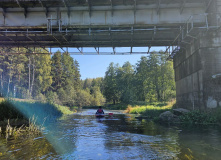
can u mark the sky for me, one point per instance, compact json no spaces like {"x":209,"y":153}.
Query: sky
{"x":94,"y":65}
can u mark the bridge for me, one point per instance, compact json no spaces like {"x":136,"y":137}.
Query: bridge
{"x":190,"y":29}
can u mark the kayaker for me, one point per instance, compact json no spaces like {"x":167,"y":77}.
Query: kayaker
{"x":100,"y":110}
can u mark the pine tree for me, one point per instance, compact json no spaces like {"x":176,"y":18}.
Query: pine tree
{"x":77,"y":75}
{"x":43,"y":73}
{"x":110,"y":84}
{"x":56,"y":71}
{"x":124,"y":82}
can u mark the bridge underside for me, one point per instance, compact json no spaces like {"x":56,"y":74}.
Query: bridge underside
{"x":97,"y":23}
{"x":192,"y":26}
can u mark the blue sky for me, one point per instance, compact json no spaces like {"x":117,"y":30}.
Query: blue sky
{"x":93,"y":66}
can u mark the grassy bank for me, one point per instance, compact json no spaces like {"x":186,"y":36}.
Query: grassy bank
{"x":150,"y":110}
{"x":20,"y":111}
{"x":202,"y":117}
{"x":22,"y":117}
{"x":109,"y":106}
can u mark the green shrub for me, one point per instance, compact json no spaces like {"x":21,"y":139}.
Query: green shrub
{"x":197,"y":117}
{"x":120,"y":106}
{"x":22,"y":110}
{"x":8,"y":111}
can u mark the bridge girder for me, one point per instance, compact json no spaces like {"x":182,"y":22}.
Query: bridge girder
{"x":95,"y":23}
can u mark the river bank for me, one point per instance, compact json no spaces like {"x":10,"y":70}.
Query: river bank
{"x":170,"y":113}
{"x":28,"y":115}
{"x":83,"y":136}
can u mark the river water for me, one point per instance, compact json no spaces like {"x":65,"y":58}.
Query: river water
{"x":82,"y":136}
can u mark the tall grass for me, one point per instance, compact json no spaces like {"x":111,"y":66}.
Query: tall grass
{"x":152,"y":110}
{"x":63,"y":109}
{"x":1,"y":99}
{"x":8,"y":111}
{"x":25,"y":110}
{"x":29,"y":116}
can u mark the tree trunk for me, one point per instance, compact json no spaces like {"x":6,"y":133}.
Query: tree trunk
{"x":29,"y":77}
{"x":9,"y":79}
{"x":1,"y":89}
{"x":114,"y":101}
{"x":33,"y":76}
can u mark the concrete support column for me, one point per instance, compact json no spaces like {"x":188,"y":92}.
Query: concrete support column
{"x":198,"y":72}
{"x":198,"y":68}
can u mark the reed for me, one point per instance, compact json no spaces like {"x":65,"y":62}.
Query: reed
{"x":152,"y":110}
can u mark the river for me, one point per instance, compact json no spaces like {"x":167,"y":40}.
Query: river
{"x":121,"y":136}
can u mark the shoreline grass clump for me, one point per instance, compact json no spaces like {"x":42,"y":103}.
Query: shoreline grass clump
{"x":152,"y":110}
{"x":199,"y":117}
{"x":8,"y":111}
{"x":27,"y":117}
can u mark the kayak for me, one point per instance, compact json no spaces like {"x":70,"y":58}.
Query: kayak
{"x":99,"y":115}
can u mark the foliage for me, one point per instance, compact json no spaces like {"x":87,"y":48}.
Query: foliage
{"x":217,"y":114}
{"x":56,"y":79}
{"x":198,"y":117}
{"x":151,"y":80}
{"x":152,"y":110}
{"x":66,"y":79}
{"x":120,"y":106}
{"x":8,"y":111}
{"x":63,"y":109}
{"x":41,"y":98}
{"x":155,"y":79}
{"x":52,"y":97}
{"x":94,"y":87}
{"x":110,"y":84}
{"x":40,"y":77}
{"x":25,"y":110}
{"x":83,"y":98}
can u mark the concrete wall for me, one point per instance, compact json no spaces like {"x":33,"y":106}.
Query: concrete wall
{"x":120,"y":15}
{"x":198,"y":73}
{"x":198,"y":68}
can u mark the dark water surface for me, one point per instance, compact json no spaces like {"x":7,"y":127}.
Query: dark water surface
{"x":82,"y":136}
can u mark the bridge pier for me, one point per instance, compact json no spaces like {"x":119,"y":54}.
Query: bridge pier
{"x":198,"y":67}
{"x":198,"y":72}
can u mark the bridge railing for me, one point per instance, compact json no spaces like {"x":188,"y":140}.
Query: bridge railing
{"x":193,"y":26}
{"x":55,"y":22}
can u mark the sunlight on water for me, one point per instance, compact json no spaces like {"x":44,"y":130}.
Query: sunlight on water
{"x":82,"y":136}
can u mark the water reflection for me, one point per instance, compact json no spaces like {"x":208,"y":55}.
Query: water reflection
{"x":83,"y":136}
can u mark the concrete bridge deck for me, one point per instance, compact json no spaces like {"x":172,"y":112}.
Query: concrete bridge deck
{"x":97,"y":23}
{"x":192,"y":25}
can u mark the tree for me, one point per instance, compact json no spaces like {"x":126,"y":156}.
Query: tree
{"x":97,"y":97}
{"x":83,"y":98}
{"x":110,"y":84}
{"x":77,"y":75}
{"x":125,"y":76}
{"x":141,"y":79}
{"x":43,"y":80}
{"x":155,"y":78}
{"x":56,"y":71}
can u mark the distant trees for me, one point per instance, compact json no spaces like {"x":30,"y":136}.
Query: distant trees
{"x":110,"y":84}
{"x":66,"y":78}
{"x":151,"y":79}
{"x":56,"y":79}
{"x":92,"y":89}
{"x":41,"y":77}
